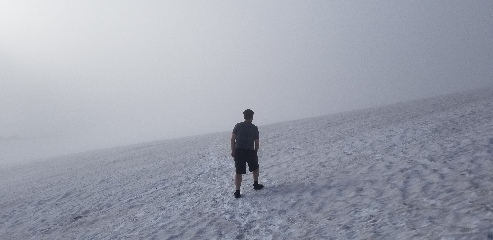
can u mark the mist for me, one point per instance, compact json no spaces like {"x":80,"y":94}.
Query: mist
{"x":85,"y":75}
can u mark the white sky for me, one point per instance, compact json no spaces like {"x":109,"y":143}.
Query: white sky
{"x":105,"y":73}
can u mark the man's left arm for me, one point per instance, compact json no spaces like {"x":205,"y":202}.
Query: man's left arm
{"x":233,"y":143}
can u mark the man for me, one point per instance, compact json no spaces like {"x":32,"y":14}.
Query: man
{"x":244,"y":148}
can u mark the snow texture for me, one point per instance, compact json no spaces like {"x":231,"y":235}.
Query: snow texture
{"x":415,"y":170}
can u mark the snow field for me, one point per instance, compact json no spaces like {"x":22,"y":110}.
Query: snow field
{"x":415,"y":170}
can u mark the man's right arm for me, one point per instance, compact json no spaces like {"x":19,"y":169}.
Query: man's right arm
{"x":256,"y":139}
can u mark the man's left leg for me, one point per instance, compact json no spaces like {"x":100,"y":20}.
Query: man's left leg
{"x":238,"y":179}
{"x":240,"y":166}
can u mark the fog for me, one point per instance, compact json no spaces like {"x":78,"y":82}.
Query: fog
{"x":94,"y":74}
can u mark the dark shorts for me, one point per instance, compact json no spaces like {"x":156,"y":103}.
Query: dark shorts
{"x":244,"y":156}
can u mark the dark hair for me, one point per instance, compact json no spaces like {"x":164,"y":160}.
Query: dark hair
{"x":248,"y":114}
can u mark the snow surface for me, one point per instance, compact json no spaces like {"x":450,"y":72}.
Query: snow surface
{"x":415,"y":170}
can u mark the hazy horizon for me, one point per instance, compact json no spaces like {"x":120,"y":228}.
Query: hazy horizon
{"x":85,"y":75}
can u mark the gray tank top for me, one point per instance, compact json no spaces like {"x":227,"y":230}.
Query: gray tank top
{"x":246,"y":133}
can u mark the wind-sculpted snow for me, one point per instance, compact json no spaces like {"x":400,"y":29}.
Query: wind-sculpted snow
{"x":416,"y":170}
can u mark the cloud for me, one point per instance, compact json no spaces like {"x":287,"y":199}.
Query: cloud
{"x":109,"y":73}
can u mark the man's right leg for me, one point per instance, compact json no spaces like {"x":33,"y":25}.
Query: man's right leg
{"x":256,"y":185}
{"x":255,"y":175}
{"x":253,"y":164}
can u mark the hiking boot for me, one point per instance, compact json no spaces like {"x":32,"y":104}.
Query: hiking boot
{"x":258,"y":186}
{"x":237,"y":194}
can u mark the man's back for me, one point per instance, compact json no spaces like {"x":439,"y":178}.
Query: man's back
{"x":246,"y":133}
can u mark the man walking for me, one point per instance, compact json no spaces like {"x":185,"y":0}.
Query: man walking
{"x":244,"y":148}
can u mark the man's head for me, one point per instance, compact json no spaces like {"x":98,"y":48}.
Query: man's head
{"x":248,"y":114}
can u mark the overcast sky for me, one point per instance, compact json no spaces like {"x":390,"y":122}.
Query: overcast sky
{"x":95,"y":74}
